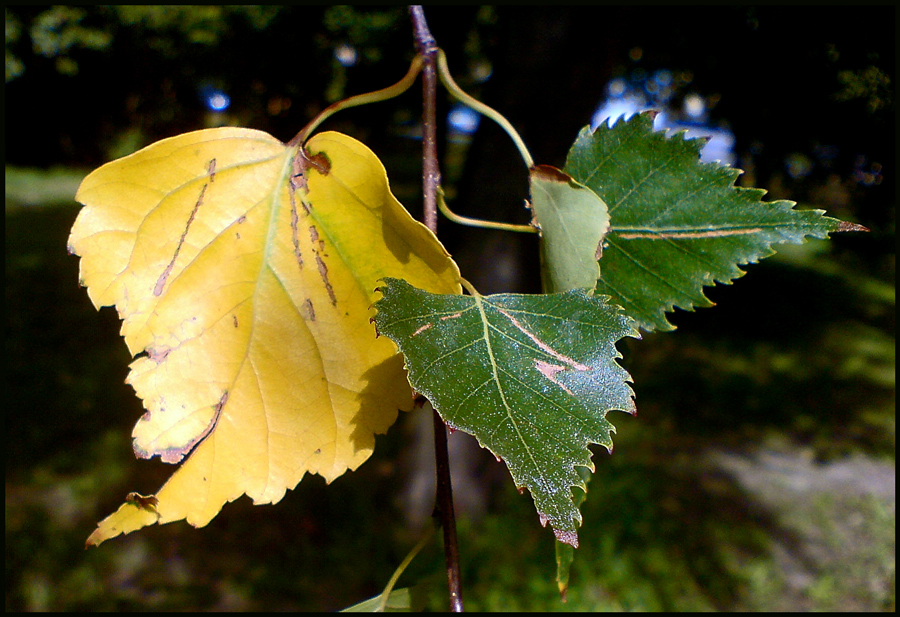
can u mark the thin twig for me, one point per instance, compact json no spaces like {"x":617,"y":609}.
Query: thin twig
{"x":431,"y":173}
{"x":431,"y":179}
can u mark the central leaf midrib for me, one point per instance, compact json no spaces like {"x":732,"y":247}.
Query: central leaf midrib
{"x":494,"y":372}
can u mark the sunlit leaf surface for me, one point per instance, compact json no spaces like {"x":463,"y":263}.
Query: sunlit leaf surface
{"x":532,"y":377}
{"x":244,"y":272}
{"x":677,"y":225}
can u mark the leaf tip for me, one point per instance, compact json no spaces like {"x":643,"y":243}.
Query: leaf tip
{"x":567,"y":537}
{"x":846,"y":226}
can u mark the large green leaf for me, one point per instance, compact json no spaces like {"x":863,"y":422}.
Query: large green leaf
{"x":677,"y":224}
{"x":532,"y":377}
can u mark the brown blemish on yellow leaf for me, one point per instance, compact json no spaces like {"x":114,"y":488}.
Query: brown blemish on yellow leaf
{"x":323,"y":272}
{"x":323,"y":269}
{"x":319,"y":161}
{"x":149,"y":502}
{"x":307,"y":310}
{"x":161,"y":281}
{"x":158,"y":355}
{"x":294,"y":234}
{"x":175,"y":454}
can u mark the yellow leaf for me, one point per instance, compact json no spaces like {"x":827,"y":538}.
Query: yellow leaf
{"x":246,"y":270}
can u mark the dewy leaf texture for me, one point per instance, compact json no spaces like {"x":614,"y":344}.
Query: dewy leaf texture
{"x":573,"y":221}
{"x":532,"y":377}
{"x":246,"y":272}
{"x":677,"y":224}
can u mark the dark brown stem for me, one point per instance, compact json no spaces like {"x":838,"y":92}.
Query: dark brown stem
{"x":431,"y":179}
{"x":431,"y":174}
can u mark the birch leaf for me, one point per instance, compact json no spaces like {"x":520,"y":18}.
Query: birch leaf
{"x":573,"y":221}
{"x":677,"y":224}
{"x":244,"y":271}
{"x":532,"y":377}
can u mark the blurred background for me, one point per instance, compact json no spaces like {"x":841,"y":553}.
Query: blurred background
{"x":759,"y":473}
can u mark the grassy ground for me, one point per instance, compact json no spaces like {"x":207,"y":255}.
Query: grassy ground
{"x":758,"y":474}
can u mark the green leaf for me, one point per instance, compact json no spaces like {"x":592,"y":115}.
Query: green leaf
{"x":573,"y":221}
{"x":677,"y":224}
{"x":530,"y":376}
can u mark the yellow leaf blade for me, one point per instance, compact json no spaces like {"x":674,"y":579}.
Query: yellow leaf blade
{"x":249,"y":287}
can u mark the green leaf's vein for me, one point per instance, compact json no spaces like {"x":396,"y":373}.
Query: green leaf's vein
{"x":559,"y":318}
{"x":440,"y":358}
{"x":466,"y":398}
{"x":672,"y":233}
{"x":620,"y":143}
{"x":637,"y":262}
{"x":637,"y":185}
{"x":506,"y":406}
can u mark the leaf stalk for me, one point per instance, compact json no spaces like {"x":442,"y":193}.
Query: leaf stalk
{"x":481,"y":108}
{"x":465,"y":220}
{"x":361,"y":99}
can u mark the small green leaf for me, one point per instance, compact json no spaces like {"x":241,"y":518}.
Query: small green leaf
{"x":573,"y":221}
{"x":532,"y":377}
{"x":565,"y":554}
{"x":677,"y":225}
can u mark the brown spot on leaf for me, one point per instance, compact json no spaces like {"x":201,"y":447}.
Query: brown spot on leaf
{"x":158,"y":355}
{"x":177,"y":453}
{"x":314,"y":238}
{"x":302,"y":163}
{"x":542,"y":345}
{"x":323,"y":272}
{"x":307,"y":310}
{"x":549,"y":174}
{"x":161,"y":281}
{"x":295,"y":219}
{"x":319,"y":161}
{"x":145,"y":503}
